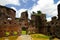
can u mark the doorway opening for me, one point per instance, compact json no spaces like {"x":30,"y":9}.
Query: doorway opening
{"x":24,"y":31}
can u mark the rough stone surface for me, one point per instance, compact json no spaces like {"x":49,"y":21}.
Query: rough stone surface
{"x":8,"y":22}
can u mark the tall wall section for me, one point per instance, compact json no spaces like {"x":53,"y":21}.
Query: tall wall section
{"x":8,"y":24}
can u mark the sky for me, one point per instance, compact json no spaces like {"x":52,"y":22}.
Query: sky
{"x":48,"y":7}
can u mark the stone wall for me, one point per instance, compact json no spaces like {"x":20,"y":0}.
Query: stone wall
{"x":39,"y":21}
{"x":58,"y":8}
{"x":8,"y":22}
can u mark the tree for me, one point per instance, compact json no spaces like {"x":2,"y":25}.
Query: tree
{"x":33,"y":12}
{"x":39,"y":12}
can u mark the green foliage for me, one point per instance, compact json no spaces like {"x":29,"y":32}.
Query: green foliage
{"x":15,"y":33}
{"x":39,"y":12}
{"x":33,"y":12}
{"x":7,"y":33}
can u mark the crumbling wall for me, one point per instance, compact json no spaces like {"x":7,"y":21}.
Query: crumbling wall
{"x":23,"y":21}
{"x":58,"y":8}
{"x":8,"y":22}
{"x":39,"y":21}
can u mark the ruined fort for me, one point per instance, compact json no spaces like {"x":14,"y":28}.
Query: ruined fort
{"x":37,"y":24}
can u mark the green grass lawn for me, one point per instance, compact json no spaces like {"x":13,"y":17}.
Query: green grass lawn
{"x":9,"y":38}
{"x":34,"y":37}
{"x":39,"y":36}
{"x":23,"y":32}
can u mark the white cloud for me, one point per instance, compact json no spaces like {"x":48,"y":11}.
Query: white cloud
{"x":49,"y":19}
{"x":58,"y":2}
{"x":46,"y":6}
{"x":18,"y":12}
{"x":14,"y":8}
{"x":41,"y":5}
{"x":5,"y":2}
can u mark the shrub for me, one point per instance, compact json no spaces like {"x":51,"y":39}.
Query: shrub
{"x":15,"y":33}
{"x":7,"y":33}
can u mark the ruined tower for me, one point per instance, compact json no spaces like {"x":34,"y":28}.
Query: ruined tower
{"x":59,"y":11}
{"x":24,"y":21}
{"x":39,"y":21}
{"x":8,"y":24}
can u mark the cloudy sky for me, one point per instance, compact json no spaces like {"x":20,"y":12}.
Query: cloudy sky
{"x":48,"y":7}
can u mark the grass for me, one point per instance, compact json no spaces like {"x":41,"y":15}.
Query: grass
{"x":10,"y":38}
{"x":34,"y":37}
{"x":23,"y":32}
{"x":39,"y":39}
{"x":39,"y":36}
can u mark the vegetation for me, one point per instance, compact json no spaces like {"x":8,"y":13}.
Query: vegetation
{"x":9,"y":38}
{"x":37,"y":14}
{"x":39,"y":36}
{"x":12,"y":37}
{"x":34,"y":37}
{"x":15,"y":33}
{"x":33,"y":12}
{"x":23,"y":32}
{"x":7,"y":33}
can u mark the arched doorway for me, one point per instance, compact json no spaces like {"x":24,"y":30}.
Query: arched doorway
{"x":24,"y":31}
